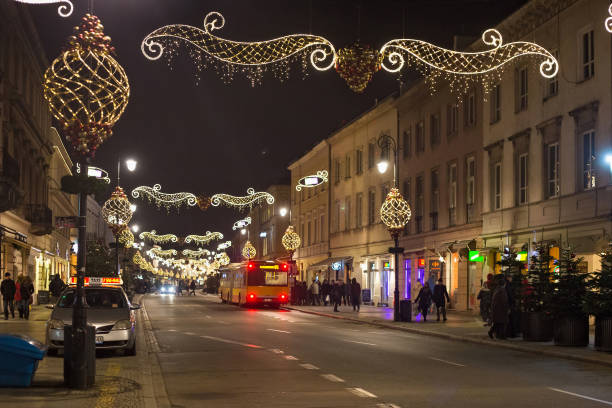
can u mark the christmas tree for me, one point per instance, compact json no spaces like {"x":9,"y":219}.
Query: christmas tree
{"x":538,"y":289}
{"x":513,"y":269}
{"x":569,"y":286}
{"x":599,"y":296}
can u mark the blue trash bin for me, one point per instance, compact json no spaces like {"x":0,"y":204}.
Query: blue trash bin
{"x":19,"y":357}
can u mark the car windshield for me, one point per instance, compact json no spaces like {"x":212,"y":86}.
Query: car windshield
{"x":96,"y":298}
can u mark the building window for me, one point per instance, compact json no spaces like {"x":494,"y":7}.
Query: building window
{"x":470,"y":180}
{"x":470,"y":110}
{"x":309,"y":234}
{"x":420,"y":137}
{"x":452,"y":118}
{"x":371,"y":155}
{"x":264,"y":243}
{"x":337,"y":170}
{"x":497,"y":178}
{"x":322,"y":223}
{"x":522,"y":88}
{"x":407,"y":186}
{"x":359,"y":161}
{"x":302,"y":234}
{"x":552,"y":84}
{"x":371,"y":206}
{"x":552,"y":170}
{"x":452,"y":192}
{"x":347,"y":167}
{"x":434,"y":129}
{"x":358,"y":210}
{"x":523,"y":167}
{"x":496,"y":103}
{"x":337,"y":217}
{"x":588,"y":55}
{"x":384,"y":190}
{"x":588,"y":160}
{"x":419,"y":204}
{"x":435,"y":198}
{"x":315,"y":236}
{"x":347,"y":213}
{"x":407,"y":143}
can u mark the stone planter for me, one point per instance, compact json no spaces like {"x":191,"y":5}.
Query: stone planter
{"x":572,"y":331}
{"x":603,"y":333}
{"x":537,"y":326}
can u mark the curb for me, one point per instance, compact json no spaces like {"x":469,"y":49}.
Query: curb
{"x":510,"y":346}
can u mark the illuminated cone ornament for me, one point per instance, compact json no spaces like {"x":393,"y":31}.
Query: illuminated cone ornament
{"x":116,"y":211}
{"x":395,"y":212}
{"x":248,"y":252}
{"x":356,"y":64}
{"x":86,"y":88}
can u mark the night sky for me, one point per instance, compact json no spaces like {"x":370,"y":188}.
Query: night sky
{"x":212,"y":137}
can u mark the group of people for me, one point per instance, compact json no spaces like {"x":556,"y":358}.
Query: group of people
{"x":19,"y":292}
{"x":332,"y":292}
{"x":439,"y":296}
{"x":497,"y":306}
{"x":189,"y":287}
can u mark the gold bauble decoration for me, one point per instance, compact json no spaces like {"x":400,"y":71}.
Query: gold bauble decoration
{"x":395,"y":211}
{"x":116,"y":211}
{"x":126,"y":237}
{"x":291,"y":240}
{"x":86,"y":88}
{"x":249,"y":252}
{"x":356,"y":64}
{"x":223,"y":259}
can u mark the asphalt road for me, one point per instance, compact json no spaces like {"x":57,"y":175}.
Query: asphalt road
{"x":218,"y":355}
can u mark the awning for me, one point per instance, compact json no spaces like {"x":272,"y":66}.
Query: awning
{"x":326,"y":263}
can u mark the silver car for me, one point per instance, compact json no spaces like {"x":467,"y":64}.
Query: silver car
{"x":109,"y":311}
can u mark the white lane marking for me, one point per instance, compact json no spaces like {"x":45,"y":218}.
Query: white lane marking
{"x":361,"y":342}
{"x":208,"y":317}
{"x":190,"y":333}
{"x":277,"y":351}
{"x":360,"y":392}
{"x":309,"y":366}
{"x":385,"y":405}
{"x":230,"y":341}
{"x":291,"y":358}
{"x":332,"y":378}
{"x":447,"y":362}
{"x":171,"y":330}
{"x":580,"y":396}
{"x":279,"y":331}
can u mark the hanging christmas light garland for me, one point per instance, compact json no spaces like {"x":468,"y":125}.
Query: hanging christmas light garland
{"x":252,"y":198}
{"x":356,"y":64}
{"x":203,"y":239}
{"x":64,"y":9}
{"x":195,"y":254}
{"x":224,"y":245}
{"x":608,"y":23}
{"x":241,"y":223}
{"x":164,"y":253}
{"x":166,"y":200}
{"x":312,"y":180}
{"x":158,"y":239}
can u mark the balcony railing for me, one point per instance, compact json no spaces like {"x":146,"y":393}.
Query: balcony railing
{"x":11,"y":195}
{"x":41,"y":218}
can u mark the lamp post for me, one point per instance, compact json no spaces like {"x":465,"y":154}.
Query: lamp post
{"x":395,"y":214}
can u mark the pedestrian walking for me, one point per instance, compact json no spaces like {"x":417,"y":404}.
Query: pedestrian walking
{"x":192,"y":287}
{"x":355,"y":295}
{"x":325,"y":290}
{"x":314,"y":291}
{"x":424,"y":300}
{"x":337,"y":295}
{"x":485,"y":303}
{"x":440,"y":297}
{"x":499,"y":310}
{"x":26,"y":290}
{"x":511,"y":331}
{"x":8,"y":289}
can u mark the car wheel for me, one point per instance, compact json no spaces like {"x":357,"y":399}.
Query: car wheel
{"x":132,"y":350}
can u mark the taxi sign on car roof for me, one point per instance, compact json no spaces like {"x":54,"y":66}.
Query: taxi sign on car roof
{"x":98,"y":281}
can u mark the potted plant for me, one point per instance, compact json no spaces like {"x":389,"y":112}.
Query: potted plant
{"x":599,"y":301}
{"x":513,"y":268}
{"x":537,"y":289}
{"x":571,"y":323}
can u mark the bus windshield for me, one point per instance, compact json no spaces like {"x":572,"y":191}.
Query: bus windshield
{"x":260,"y":277}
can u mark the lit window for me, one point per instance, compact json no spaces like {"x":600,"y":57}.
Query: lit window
{"x":523,"y":180}
{"x":588,"y":160}
{"x":497,"y":178}
{"x":552,"y":169}
{"x":588,"y":55}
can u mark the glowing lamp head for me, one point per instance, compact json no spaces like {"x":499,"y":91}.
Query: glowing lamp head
{"x":131,"y":164}
{"x":283,"y":212}
{"x":608,"y":159}
{"x":243,"y":231}
{"x":133,"y":207}
{"x":135,"y":228}
{"x":382,"y":166}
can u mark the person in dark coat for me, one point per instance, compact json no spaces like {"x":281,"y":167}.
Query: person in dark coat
{"x":8,"y":289}
{"x":325,"y":289}
{"x":56,"y":286}
{"x":424,"y":300}
{"x":499,"y":311}
{"x":26,"y":289}
{"x":192,"y":288}
{"x":440,"y":297}
{"x":510,"y":329}
{"x":485,"y":303}
{"x":355,"y":294}
{"x":337,"y":293}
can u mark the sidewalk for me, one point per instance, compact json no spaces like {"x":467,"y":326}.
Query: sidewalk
{"x":461,"y":326}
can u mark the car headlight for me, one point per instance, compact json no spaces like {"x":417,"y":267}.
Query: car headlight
{"x":123,"y":325}
{"x":56,"y":324}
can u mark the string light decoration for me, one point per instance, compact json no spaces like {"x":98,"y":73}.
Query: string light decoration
{"x":223,"y":259}
{"x":166,"y":200}
{"x":252,"y":198}
{"x":608,"y":23}
{"x":241,"y":223}
{"x":116,"y":211}
{"x":126,"y":237}
{"x":203,"y":239}
{"x":64,"y":9}
{"x":313,"y":180}
{"x":190,"y":253}
{"x":249,"y":251}
{"x":252,"y":59}
{"x":158,"y":239}
{"x":164,"y":253}
{"x":86,"y":88}
{"x":224,"y":245}
{"x":291,"y":240}
{"x":395,"y":212}
{"x":355,"y":64}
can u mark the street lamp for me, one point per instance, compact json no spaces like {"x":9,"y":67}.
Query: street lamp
{"x":283,"y":212}
{"x":133,"y":207}
{"x":135,"y":227}
{"x":131,"y":164}
{"x":394,"y":213}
